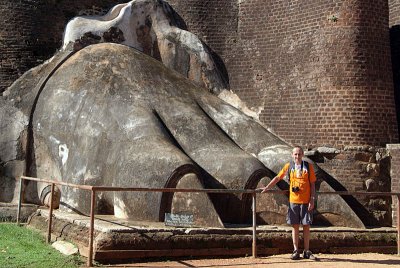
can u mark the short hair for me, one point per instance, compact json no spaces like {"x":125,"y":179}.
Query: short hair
{"x":298,"y":147}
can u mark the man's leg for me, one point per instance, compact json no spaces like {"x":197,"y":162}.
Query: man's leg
{"x":306,"y":237}
{"x":293,"y":218}
{"x":307,"y":254}
{"x":295,"y":236}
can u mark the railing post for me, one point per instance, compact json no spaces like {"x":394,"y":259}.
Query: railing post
{"x":19,"y":200}
{"x":254,"y":248}
{"x":50,"y":221}
{"x":91,"y":231}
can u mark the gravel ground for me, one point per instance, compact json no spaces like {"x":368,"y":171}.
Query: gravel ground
{"x":365,"y":260}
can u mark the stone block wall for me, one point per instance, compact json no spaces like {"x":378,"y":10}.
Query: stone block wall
{"x":361,"y":169}
{"x":394,"y":151}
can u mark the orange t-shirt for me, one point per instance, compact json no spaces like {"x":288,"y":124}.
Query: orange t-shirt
{"x":303,"y":182}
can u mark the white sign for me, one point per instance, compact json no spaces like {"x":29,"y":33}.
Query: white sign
{"x":181,"y":220}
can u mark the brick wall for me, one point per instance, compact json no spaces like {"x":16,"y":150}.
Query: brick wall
{"x":17,"y":24}
{"x":329,"y":80}
{"x":215,"y":22}
{"x":394,"y":150}
{"x":31,"y":31}
{"x":319,"y":70}
{"x":394,"y":23}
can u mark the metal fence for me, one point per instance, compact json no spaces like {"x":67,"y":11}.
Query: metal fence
{"x":95,"y":189}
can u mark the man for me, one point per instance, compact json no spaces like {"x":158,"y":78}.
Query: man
{"x":301,"y":199}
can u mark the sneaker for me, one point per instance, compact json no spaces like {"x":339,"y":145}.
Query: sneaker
{"x":308,"y":255}
{"x":295,"y":255}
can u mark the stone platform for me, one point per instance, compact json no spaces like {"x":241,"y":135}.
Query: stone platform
{"x":117,"y":239}
{"x":8,"y":212}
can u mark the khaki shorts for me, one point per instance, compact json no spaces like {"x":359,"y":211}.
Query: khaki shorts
{"x":299,"y":214}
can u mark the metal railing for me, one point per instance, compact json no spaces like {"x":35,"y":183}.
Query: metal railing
{"x":95,"y":189}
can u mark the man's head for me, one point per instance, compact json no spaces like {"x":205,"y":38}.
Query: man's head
{"x":297,"y":154}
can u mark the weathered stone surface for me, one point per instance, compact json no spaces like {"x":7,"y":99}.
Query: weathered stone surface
{"x":112,"y":240}
{"x":204,"y":215}
{"x":65,"y":248}
{"x":274,"y":153}
{"x":17,"y":105}
{"x":9,"y":211}
{"x":373,"y":165}
{"x":78,"y":119}
{"x":107,"y":103}
{"x":152,"y":27}
{"x":95,"y":123}
{"x":110,"y":115}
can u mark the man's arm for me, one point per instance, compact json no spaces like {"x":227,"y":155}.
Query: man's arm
{"x":312,"y":179}
{"x":312,"y":197}
{"x":270,"y":184}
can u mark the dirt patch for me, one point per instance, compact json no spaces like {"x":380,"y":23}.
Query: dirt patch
{"x":365,"y":260}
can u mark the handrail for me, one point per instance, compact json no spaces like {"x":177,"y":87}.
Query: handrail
{"x":253,"y":192}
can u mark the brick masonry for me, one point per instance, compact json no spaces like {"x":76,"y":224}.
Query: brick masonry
{"x":394,"y":150}
{"x":31,"y":31}
{"x":394,"y":23}
{"x":318,"y":71}
{"x":214,"y":21}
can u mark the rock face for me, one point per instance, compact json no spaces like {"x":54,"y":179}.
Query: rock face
{"x":108,"y":114}
{"x":111,"y":115}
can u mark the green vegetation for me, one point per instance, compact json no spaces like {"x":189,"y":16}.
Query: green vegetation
{"x":24,"y":248}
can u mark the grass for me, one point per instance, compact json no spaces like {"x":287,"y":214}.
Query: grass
{"x":24,"y":248}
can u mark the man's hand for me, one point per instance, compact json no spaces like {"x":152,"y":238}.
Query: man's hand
{"x":311,"y":204}
{"x":264,"y":189}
